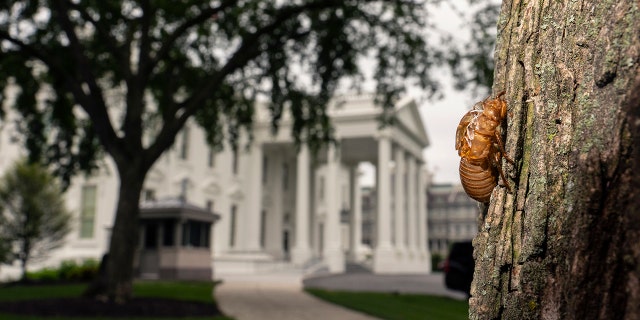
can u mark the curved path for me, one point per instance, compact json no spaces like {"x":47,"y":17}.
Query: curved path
{"x":275,"y":296}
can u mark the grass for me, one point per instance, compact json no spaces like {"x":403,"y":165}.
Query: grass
{"x":192,"y":291}
{"x":16,"y":293}
{"x":397,"y":306}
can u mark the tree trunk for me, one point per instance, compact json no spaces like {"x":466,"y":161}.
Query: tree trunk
{"x":23,"y":268}
{"x":23,"y":255}
{"x":566,"y":243}
{"x":116,"y":282}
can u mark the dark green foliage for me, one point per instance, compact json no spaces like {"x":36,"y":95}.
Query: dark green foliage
{"x":33,"y":218}
{"x":189,"y":291}
{"x":211,"y":60}
{"x":26,"y":292}
{"x":5,"y":250}
{"x":46,"y":275}
{"x":72,"y":271}
{"x":68,"y":271}
{"x":436,"y":258}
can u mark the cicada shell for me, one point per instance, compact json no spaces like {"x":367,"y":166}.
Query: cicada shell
{"x":480,"y":148}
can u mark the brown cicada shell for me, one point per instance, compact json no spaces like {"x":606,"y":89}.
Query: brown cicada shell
{"x":480,"y":147}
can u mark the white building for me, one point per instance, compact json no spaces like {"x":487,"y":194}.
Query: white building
{"x":278,"y":207}
{"x":452,"y":218}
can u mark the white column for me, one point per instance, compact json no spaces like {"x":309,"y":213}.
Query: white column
{"x":399,"y":192}
{"x":274,"y":223}
{"x":422,"y":215}
{"x":383,"y":254}
{"x":254,"y":206}
{"x":412,"y":204}
{"x":301,"y":251}
{"x":355,"y":233}
{"x":333,"y":254}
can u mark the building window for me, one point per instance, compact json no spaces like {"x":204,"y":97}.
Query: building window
{"x":285,"y":176}
{"x":286,"y":218}
{"x":195,"y":234}
{"x":184,"y":186}
{"x":149,"y":195}
{"x":211,"y":159}
{"x":87,"y":212}
{"x":321,"y":188}
{"x":234,"y":161}
{"x":265,"y":164}
{"x":345,"y":196}
{"x":150,"y":235}
{"x":168,"y":233}
{"x":263,"y":228}
{"x":232,"y":227}
{"x":405,"y":182}
{"x":393,"y":183}
{"x":184,"y":147}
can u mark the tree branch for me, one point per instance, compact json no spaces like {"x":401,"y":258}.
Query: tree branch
{"x":41,"y":55}
{"x":167,"y":45}
{"x":136,"y":84}
{"x":248,"y":50}
{"x":117,"y":52}
{"x":95,"y":107}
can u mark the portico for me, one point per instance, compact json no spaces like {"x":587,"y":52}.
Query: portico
{"x":305,"y":210}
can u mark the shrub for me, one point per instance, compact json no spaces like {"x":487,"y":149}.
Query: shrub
{"x":436,"y":258}
{"x":43,"y":275}
{"x":68,"y":271}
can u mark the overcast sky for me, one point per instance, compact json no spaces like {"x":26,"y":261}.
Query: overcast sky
{"x":441,"y":117}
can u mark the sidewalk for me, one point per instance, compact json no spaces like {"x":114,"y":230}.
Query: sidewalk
{"x":275,"y":296}
{"x":281,"y":296}
{"x":432,"y":284}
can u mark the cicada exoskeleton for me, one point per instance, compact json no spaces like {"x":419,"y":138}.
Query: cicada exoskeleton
{"x":480,"y":148}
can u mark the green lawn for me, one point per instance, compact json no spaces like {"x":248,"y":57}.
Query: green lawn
{"x":15,"y":293}
{"x":398,"y":306}
{"x":195,"y":291}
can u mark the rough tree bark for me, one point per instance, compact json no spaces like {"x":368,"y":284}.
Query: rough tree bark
{"x":124,"y":233}
{"x":566,"y":243}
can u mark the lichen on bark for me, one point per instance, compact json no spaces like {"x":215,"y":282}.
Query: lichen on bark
{"x":566,"y":243}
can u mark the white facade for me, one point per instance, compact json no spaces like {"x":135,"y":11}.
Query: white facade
{"x":453,"y":217}
{"x":278,"y":207}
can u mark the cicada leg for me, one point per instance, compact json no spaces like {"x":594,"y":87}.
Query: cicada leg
{"x":496,"y":163}
{"x":503,"y":153}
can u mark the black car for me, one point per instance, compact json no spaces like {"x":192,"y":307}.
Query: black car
{"x":458,"y":267}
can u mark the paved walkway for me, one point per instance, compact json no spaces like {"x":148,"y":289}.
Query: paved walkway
{"x":432,"y":284}
{"x":275,"y":296}
{"x":281,"y":296}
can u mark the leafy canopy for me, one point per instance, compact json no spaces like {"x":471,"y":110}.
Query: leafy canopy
{"x":140,"y":69}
